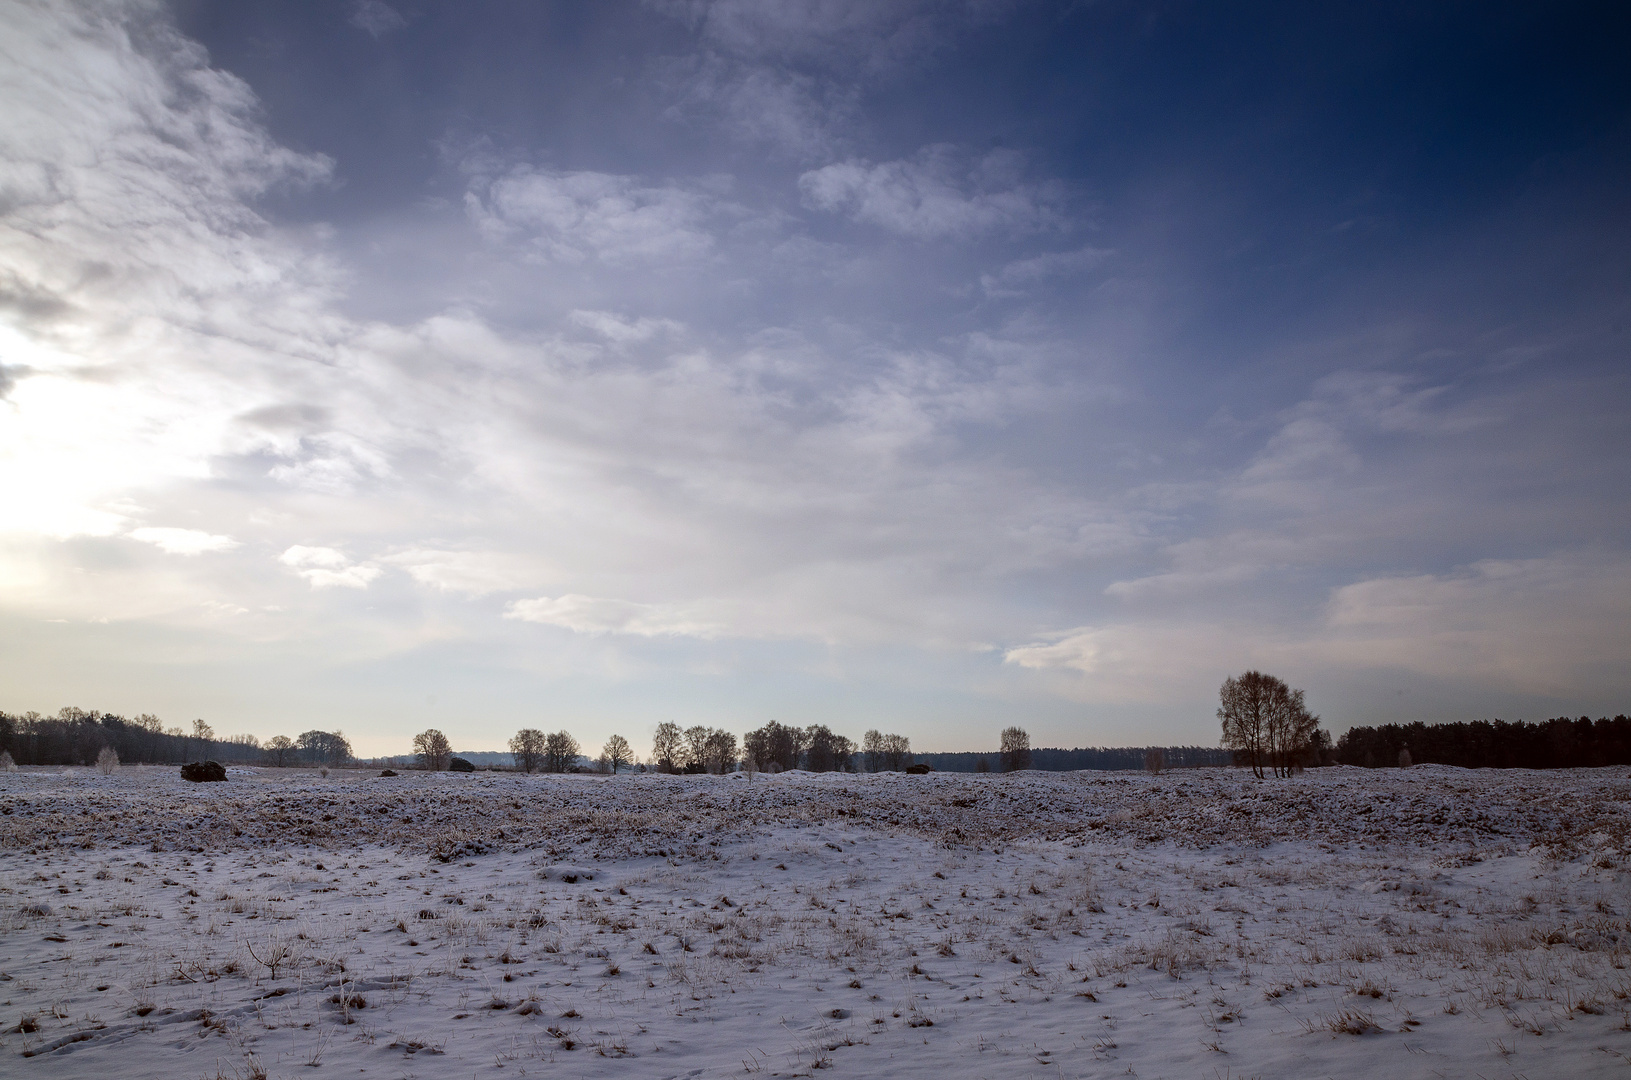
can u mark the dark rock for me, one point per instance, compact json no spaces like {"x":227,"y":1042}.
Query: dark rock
{"x":204,"y":772}
{"x":388,"y":772}
{"x":458,"y":764}
{"x":922,"y":768}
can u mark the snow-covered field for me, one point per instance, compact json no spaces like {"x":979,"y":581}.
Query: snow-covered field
{"x":1430,"y":922}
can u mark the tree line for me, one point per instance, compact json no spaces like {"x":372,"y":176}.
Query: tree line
{"x":1266,"y":726}
{"x":78,"y":737}
{"x":778,"y":747}
{"x":775,"y":747}
{"x":1094,"y":758}
{"x":1559,"y":743}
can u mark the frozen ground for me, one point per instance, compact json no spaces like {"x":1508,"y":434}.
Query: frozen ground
{"x":1422,"y":923}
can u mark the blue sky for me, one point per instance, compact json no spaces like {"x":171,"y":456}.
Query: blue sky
{"x":930,"y":367}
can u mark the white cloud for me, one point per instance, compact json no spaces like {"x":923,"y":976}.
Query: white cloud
{"x":9,"y":376}
{"x":475,"y":573}
{"x":1396,"y":403}
{"x":328,"y":568}
{"x":595,"y":615}
{"x":352,"y":577}
{"x":1318,"y":436}
{"x":333,"y":462}
{"x":182,"y":541}
{"x":1081,"y":649}
{"x":301,"y":557}
{"x":1184,"y":582}
{"x":1147,"y":661}
{"x":937,"y":195}
{"x":139,"y":286}
{"x":376,"y":17}
{"x":855,"y":36}
{"x":1304,"y":447}
{"x":797,"y":114}
{"x":1018,"y":277}
{"x":621,"y":330}
{"x":576,"y":216}
{"x":791,"y":75}
{"x":1215,"y":563}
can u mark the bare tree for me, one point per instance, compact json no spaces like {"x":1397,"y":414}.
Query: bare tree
{"x":279,"y":747}
{"x":1016,"y":749}
{"x":872,"y":750}
{"x":880,"y":751}
{"x":720,"y":748}
{"x":1292,"y":733}
{"x":667,"y":747}
{"x":433,"y":749}
{"x":527,"y":747}
{"x":560,"y":752}
{"x":240,"y":748}
{"x":827,"y":751}
{"x":1266,"y":722}
{"x":107,"y":762}
{"x":203,"y":734}
{"x":1244,"y":704}
{"x":324,"y":747}
{"x":776,"y":745}
{"x":695,"y":749}
{"x":1155,"y":759}
{"x":617,"y":753}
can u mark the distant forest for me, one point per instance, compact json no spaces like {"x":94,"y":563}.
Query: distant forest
{"x":1106,"y":758}
{"x":1560,"y":743}
{"x":76,"y":737}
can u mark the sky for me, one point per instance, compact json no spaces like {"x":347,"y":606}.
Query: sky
{"x":929,"y":367}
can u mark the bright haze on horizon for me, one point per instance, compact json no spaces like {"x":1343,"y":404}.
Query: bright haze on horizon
{"x":923,"y":366}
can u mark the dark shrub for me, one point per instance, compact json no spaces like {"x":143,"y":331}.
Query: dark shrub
{"x":458,"y":764}
{"x":388,"y":772}
{"x":204,"y":772}
{"x":922,"y":768}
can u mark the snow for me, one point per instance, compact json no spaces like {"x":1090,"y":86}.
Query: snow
{"x":1427,"y":922}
